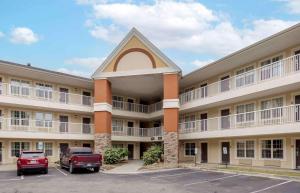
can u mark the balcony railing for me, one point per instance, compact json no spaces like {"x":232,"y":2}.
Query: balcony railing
{"x":134,"y":107}
{"x":267,"y":117}
{"x":137,"y":132}
{"x":258,"y":75}
{"x":29,"y":125}
{"x":50,"y":95}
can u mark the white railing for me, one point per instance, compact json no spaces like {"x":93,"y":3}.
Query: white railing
{"x":29,"y":125}
{"x":44,"y":94}
{"x":273,"y":116}
{"x":274,"y":70}
{"x":134,"y":107}
{"x":137,"y":132}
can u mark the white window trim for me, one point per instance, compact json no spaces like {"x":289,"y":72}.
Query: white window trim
{"x":274,"y":138}
{"x":15,"y":141}
{"x":188,"y":156}
{"x":45,"y":146}
{"x":244,"y":140}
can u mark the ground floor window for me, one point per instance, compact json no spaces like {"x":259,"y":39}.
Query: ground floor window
{"x":117,"y":145}
{"x":245,"y":149}
{"x":189,"y":149}
{"x":18,"y":147}
{"x":46,"y":147}
{"x":272,"y":149}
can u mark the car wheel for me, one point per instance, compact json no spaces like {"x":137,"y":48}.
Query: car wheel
{"x":96,"y":169}
{"x":71,"y":169}
{"x":19,"y":172}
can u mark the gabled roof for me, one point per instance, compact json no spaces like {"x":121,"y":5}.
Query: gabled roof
{"x":135,"y":33}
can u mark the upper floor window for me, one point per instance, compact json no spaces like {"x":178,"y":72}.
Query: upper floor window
{"x":43,"y":119}
{"x":188,"y":94}
{"x":245,"y":76}
{"x":44,"y":91}
{"x":20,"y":87}
{"x":272,"y":108}
{"x":86,"y":125}
{"x":20,"y":118}
{"x":86,"y":98}
{"x":64,"y":95}
{"x":117,"y":125}
{"x":117,"y":102}
{"x":271,"y":68}
{"x":245,"y":113}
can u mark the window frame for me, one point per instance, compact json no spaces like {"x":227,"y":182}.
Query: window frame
{"x":244,"y":141}
{"x":272,"y":149}
{"x":190,"y":149}
{"x":12,"y":147}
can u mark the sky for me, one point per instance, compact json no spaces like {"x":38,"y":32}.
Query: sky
{"x":75,"y":36}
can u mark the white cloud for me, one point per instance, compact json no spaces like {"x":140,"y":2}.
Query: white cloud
{"x":90,"y":62}
{"x":74,"y":72}
{"x":293,"y":6}
{"x":201,"y":63}
{"x":1,"y":34}
{"x":187,"y":26}
{"x":23,"y":35}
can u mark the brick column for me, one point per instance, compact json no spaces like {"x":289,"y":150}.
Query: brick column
{"x":102,"y":114}
{"x":171,"y":107}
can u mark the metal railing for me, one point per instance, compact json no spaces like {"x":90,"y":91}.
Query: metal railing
{"x":277,"y":69}
{"x":135,"y":107}
{"x":44,"y":94}
{"x":137,"y":132}
{"x":29,"y":125}
{"x":266,"y":117}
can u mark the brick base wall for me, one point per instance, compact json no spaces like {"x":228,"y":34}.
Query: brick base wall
{"x":171,"y":148}
{"x":102,"y":141}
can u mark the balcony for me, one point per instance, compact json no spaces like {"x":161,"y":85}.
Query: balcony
{"x":282,"y":68}
{"x":122,"y":108}
{"x":286,"y":119}
{"x":137,"y":134}
{"x":48,"y":98}
{"x":27,"y":128}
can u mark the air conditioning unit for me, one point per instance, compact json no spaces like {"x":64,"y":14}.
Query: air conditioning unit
{"x":159,"y":138}
{"x":152,"y":138}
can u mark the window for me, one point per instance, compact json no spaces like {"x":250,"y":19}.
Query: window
{"x":203,"y":89}
{"x":43,"y":119}
{"x":189,"y":94}
{"x":245,"y":149}
{"x":117,"y":125}
{"x":86,"y":125}
{"x":19,"y":87}
{"x":271,"y":68}
{"x":64,"y":123}
{"x":86,"y":98}
{"x":190,"y":121}
{"x":64,"y":95}
{"x":46,"y":147}
{"x":44,"y":91}
{"x":117,"y":102}
{"x":245,"y":76}
{"x":117,"y":145}
{"x":18,"y":147}
{"x":272,"y":108}
{"x":245,"y":113}
{"x":272,"y":149}
{"x":20,"y":118}
{"x":190,"y":149}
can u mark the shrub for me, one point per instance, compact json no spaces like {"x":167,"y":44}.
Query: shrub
{"x":114,"y":155}
{"x":152,"y":155}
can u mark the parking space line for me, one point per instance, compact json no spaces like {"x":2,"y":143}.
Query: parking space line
{"x":22,"y":177}
{"x":204,"y":181}
{"x":12,"y":179}
{"x":171,"y":175}
{"x":273,"y":186}
{"x":61,"y":171}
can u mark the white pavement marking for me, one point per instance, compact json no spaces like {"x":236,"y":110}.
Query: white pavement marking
{"x":61,"y":171}
{"x":12,"y":179}
{"x":212,"y":180}
{"x":40,"y":176}
{"x":22,"y":177}
{"x":171,"y":175}
{"x":270,"y":187}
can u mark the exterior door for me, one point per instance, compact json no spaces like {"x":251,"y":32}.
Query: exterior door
{"x":0,"y":152}
{"x":225,"y":83}
{"x":203,"y":152}
{"x":0,"y":85}
{"x":298,"y":154}
{"x":225,"y":152}
{"x":203,"y":90}
{"x":130,"y":129}
{"x":130,"y":103}
{"x":297,"y":108}
{"x":63,"y":149}
{"x":86,"y":98}
{"x":297,"y":60}
{"x":203,"y":118}
{"x":130,"y":151}
{"x":63,"y":125}
{"x":225,"y":119}
{"x":86,"y":125}
{"x":64,"y":95}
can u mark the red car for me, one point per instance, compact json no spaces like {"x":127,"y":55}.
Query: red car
{"x":32,"y":161}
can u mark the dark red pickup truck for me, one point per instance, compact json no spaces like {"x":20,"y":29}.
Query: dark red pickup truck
{"x":80,"y":157}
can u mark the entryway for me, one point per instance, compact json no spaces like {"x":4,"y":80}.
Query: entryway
{"x":297,"y":107}
{"x":225,"y":152}
{"x":130,"y":151}
{"x":203,"y":152}
{"x":298,"y":153}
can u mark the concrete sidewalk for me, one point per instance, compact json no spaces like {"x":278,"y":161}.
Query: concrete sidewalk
{"x":131,"y":167}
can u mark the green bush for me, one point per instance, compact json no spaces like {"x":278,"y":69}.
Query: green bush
{"x":114,"y":155}
{"x":152,"y":155}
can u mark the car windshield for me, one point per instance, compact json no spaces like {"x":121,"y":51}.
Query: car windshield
{"x":32,"y":155}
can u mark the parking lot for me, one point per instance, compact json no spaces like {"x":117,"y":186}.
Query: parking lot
{"x":180,"y":180}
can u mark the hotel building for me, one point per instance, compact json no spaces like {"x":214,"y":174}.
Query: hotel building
{"x":243,"y":109}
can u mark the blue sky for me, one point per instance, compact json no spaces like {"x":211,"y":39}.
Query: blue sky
{"x":74,"y":36}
